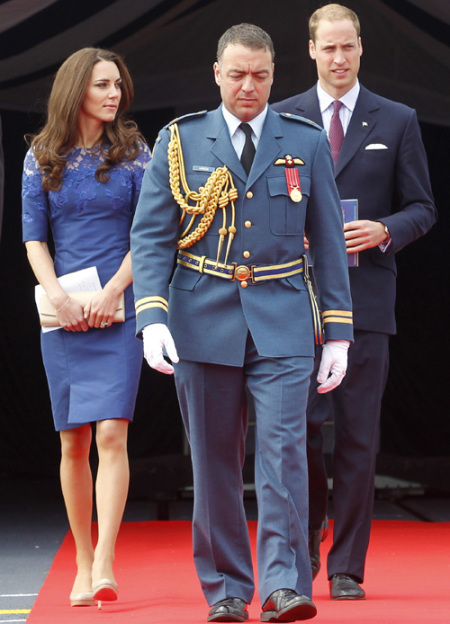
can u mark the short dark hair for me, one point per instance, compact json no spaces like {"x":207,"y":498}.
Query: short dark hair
{"x":248,"y":35}
{"x":332,"y":13}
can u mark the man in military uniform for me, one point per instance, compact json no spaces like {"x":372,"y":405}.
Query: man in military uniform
{"x":236,"y":200}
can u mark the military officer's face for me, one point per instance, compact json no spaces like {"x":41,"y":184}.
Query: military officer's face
{"x":337,"y":51}
{"x":245,"y":77}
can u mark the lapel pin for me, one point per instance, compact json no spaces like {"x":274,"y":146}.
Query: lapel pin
{"x":364,"y":124}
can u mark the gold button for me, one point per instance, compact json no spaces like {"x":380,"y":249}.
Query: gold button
{"x":249,"y":195}
{"x":244,"y":284}
{"x":248,"y":224}
{"x":246,"y":254}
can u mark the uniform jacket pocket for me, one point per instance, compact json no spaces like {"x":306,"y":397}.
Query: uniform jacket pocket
{"x":287,"y":217}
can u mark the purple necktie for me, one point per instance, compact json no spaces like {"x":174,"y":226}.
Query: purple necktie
{"x":336,"y":131}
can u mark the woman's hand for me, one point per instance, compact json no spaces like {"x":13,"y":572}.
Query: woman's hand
{"x":100,"y":311}
{"x":71,"y":316}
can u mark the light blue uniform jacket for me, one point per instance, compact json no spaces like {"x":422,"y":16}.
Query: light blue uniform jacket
{"x":209,"y":317}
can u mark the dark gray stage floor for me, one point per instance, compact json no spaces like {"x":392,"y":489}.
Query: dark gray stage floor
{"x":33,"y":524}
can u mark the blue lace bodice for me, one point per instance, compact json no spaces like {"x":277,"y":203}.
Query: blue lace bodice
{"x":89,"y":221}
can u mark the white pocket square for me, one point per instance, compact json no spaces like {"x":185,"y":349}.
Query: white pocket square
{"x":376,"y":146}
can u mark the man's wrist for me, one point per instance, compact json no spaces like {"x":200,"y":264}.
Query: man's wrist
{"x":387,"y":234}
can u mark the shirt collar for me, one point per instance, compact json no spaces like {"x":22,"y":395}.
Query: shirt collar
{"x":256,"y":123}
{"x":349,"y":99}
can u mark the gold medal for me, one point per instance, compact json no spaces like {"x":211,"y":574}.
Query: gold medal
{"x":293,"y":184}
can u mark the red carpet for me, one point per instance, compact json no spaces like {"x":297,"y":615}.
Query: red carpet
{"x":407,"y":580}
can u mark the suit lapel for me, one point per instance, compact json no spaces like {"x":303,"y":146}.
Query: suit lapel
{"x":308,"y":106}
{"x":362,"y":123}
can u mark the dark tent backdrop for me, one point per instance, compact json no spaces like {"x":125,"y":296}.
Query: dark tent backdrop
{"x":170,"y":48}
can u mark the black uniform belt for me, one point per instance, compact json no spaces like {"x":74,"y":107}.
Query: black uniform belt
{"x":241,"y":272}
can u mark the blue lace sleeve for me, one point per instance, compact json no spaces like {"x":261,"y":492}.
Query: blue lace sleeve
{"x":34,"y":202}
{"x":139,"y":165}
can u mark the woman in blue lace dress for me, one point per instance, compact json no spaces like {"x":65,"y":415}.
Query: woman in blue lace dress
{"x":81,"y":182}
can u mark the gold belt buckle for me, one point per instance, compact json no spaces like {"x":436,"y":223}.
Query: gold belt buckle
{"x":243,"y":273}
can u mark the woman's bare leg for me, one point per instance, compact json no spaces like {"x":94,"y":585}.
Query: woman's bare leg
{"x":111,"y":491}
{"x":77,"y":488}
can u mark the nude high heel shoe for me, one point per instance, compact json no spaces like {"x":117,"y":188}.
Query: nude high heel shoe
{"x":85,"y":599}
{"x":105,"y":589}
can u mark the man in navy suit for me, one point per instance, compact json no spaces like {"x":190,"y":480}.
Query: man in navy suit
{"x":235,"y":200}
{"x":382,"y":164}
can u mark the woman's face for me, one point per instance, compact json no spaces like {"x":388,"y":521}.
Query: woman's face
{"x":103,"y":93}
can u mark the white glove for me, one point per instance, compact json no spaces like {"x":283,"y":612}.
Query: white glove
{"x":157,"y":337}
{"x":333,"y":365}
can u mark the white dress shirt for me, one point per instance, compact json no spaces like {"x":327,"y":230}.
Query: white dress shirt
{"x":345,"y":113}
{"x":237,"y":135}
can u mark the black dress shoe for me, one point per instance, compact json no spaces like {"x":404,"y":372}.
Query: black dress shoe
{"x":228,"y":610}
{"x":285,"y":605}
{"x":315,"y":538}
{"x":344,"y":587}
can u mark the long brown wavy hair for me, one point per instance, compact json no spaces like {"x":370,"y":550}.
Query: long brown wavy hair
{"x":60,"y":131}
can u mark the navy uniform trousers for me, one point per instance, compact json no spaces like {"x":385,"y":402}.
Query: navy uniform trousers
{"x":279,"y":389}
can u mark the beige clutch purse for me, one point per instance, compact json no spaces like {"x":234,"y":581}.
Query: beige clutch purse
{"x":47,"y":312}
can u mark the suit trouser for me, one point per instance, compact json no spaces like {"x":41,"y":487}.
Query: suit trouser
{"x":355,"y":407}
{"x":213,"y":405}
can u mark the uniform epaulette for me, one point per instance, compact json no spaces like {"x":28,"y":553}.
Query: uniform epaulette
{"x":301,"y":120}
{"x":187,"y":116}
{"x":177,"y":121}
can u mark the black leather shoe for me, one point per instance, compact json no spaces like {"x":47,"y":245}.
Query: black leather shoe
{"x":344,"y":587}
{"x":315,"y":538}
{"x":285,"y":605}
{"x":228,"y":610}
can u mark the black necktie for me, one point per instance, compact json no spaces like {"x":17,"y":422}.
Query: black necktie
{"x":248,"y":153}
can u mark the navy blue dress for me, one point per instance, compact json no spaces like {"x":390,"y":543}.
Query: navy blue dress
{"x":92,"y":375}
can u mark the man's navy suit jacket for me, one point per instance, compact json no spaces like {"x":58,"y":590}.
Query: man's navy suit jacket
{"x":382,"y":164}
